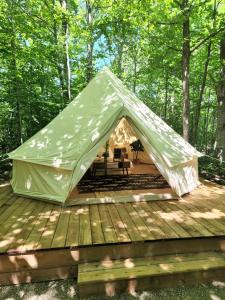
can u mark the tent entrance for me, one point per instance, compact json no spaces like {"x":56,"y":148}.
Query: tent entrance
{"x":130,"y":173}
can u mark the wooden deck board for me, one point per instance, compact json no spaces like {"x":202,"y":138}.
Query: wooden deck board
{"x":184,"y":220}
{"x":142,"y":228}
{"x":131,"y":228}
{"x":206,"y":214}
{"x":175,"y":221}
{"x":96,"y":227}
{"x":118,"y":224}
{"x":135,"y":268}
{"x":29,"y":224}
{"x":85,"y":237}
{"x":48,"y":233}
{"x":4,"y":197}
{"x":151,"y":220}
{"x":29,"y":221}
{"x":60,"y":234}
{"x":73,"y":228}
{"x":32,"y":241}
{"x":167,"y":227}
{"x":202,"y":229}
{"x":107,"y":225}
{"x":11,"y":226}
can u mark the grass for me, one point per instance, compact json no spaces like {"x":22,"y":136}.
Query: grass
{"x":66,"y":290}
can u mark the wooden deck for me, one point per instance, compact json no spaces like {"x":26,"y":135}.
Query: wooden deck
{"x":35,"y":235}
{"x":27,"y":224}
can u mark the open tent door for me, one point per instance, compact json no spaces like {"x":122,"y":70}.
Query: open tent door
{"x":144,"y":181}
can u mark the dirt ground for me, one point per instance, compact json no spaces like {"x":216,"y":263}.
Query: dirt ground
{"x":66,"y":289}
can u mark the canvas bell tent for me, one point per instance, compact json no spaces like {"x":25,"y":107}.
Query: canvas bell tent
{"x":51,"y":163}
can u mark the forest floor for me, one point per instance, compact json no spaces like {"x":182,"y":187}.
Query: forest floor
{"x":66,"y":290}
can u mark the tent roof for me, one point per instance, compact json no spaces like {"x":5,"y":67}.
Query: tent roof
{"x":80,"y":126}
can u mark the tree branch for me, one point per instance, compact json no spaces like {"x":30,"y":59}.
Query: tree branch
{"x":35,"y":17}
{"x":166,"y":23}
{"x":174,"y":49}
{"x":207,"y":38}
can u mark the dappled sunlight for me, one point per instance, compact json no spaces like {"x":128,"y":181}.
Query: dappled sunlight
{"x":178,"y":216}
{"x":66,"y":147}
{"x":218,"y":283}
{"x":108,"y":263}
{"x":128,"y":263}
{"x":207,"y":215}
{"x":166,"y":267}
{"x":121,"y":225}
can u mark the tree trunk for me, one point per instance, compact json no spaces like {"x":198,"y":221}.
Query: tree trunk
{"x":15,"y":86}
{"x":90,"y":44}
{"x":206,"y":127}
{"x":202,"y":89}
{"x":62,"y":55}
{"x":185,"y":69}
{"x":57,"y":59}
{"x":120,"y":60}
{"x":220,"y":91}
{"x":66,"y":59}
{"x":135,"y":73}
{"x":166,"y":95}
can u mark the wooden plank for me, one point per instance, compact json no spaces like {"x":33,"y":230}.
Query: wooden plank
{"x":131,"y":269}
{"x":37,"y":275}
{"x":132,"y":230}
{"x":152,"y":221}
{"x":4,"y":188}
{"x":207,"y":217}
{"x":41,"y":259}
{"x":174,"y":220}
{"x":11,"y":200}
{"x":60,"y":233}
{"x":200,"y":213}
{"x":32,"y":241}
{"x":119,"y":226}
{"x":85,"y":237}
{"x":107,"y":226}
{"x":3,"y":208}
{"x":48,"y":233}
{"x":26,"y":226}
{"x":203,"y":230}
{"x":72,"y":238}
{"x":183,"y":219}
{"x":148,"y":262}
{"x":12,"y":211}
{"x":96,"y":227}
{"x":167,"y":228}
{"x":120,"y":197}
{"x":12,"y":226}
{"x":149,"y":249}
{"x":5,"y":195}
{"x":140,"y":225}
{"x":136,"y":285}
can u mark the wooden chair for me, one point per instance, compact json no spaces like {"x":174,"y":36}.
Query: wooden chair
{"x":117,"y":152}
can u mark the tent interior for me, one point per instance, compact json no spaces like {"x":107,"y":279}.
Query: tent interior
{"x":137,"y":169}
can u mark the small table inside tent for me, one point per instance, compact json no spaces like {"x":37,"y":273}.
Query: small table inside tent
{"x":99,"y":164}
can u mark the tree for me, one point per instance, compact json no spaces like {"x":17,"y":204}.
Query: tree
{"x":185,"y":67}
{"x":220,"y":91}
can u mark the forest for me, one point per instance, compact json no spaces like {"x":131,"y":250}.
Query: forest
{"x":170,"y":53}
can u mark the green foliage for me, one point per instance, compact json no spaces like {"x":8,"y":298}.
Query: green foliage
{"x":212,"y":169}
{"x":140,"y":40}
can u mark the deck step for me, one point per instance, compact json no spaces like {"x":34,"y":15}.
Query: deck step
{"x":130,"y":275}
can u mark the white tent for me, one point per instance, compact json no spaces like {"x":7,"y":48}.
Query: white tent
{"x":51,"y":163}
